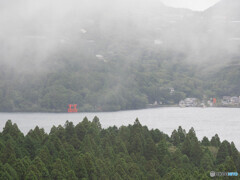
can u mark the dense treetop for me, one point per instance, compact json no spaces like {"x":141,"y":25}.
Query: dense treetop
{"x":87,"y":151}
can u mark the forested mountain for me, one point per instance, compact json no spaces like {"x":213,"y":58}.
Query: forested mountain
{"x":87,"y":151}
{"x":114,"y":55}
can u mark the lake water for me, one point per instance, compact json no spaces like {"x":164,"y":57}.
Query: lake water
{"x":206,"y":121}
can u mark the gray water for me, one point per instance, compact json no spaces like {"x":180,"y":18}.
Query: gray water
{"x":206,"y":121}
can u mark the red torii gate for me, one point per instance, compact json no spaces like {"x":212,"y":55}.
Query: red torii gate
{"x":70,"y":110}
{"x":214,"y":100}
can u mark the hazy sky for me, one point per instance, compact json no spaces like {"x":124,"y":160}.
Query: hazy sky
{"x":191,"y":4}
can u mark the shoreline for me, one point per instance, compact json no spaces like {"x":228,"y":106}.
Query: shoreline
{"x":156,"y":107}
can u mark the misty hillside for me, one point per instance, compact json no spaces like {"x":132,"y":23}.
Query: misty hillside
{"x":114,"y":55}
{"x":226,"y":9}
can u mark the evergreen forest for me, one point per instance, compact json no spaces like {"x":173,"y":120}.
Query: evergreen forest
{"x":88,"y":151}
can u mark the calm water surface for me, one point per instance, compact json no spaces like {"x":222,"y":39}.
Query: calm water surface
{"x":206,"y":121}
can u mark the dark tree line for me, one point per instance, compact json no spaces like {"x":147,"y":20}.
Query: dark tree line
{"x":87,"y":151}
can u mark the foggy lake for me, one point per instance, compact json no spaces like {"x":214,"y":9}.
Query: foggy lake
{"x":206,"y":121}
{"x":174,"y":65}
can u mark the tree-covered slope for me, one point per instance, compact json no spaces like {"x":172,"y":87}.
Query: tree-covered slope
{"x":87,"y":151}
{"x":70,"y":52}
{"x":97,"y":86}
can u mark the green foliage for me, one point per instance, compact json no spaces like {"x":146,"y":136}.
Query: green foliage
{"x":207,"y":162}
{"x":87,"y":151}
{"x":119,"y":84}
{"x":215,"y":141}
{"x":58,"y":171}
{"x":205,"y":141}
{"x":222,"y":153}
{"x":20,"y":168}
{"x":230,"y":165}
{"x":31,"y":176}
{"x":79,"y":167}
{"x":175,"y":138}
{"x":71,"y":175}
{"x":186,"y":147}
{"x":44,"y":174}
{"x":10,"y":171}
